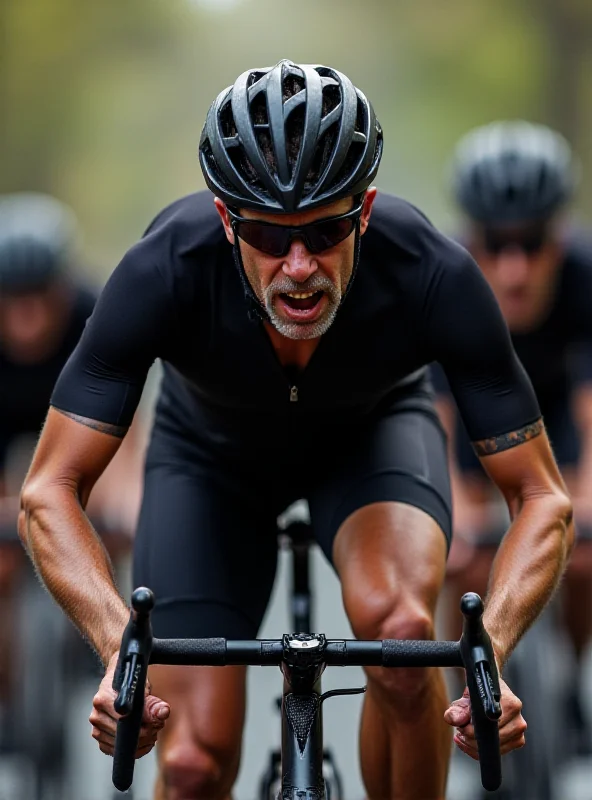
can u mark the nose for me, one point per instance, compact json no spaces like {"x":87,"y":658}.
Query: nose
{"x":299,"y":264}
{"x":512,"y":266}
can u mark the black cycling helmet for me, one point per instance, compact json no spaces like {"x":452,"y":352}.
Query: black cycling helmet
{"x":512,"y":172}
{"x":37,"y":236}
{"x":290,"y":138}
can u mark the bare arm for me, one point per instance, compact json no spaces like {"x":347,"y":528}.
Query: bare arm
{"x":533,"y":555}
{"x":65,"y":550}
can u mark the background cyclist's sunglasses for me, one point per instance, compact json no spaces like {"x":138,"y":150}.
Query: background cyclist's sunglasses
{"x":530,"y":240}
{"x":276,"y":240}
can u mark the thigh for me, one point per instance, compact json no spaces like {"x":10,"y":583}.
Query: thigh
{"x":208,"y":549}
{"x":401,"y":459}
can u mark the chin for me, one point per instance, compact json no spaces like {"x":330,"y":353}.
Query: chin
{"x":302,"y":331}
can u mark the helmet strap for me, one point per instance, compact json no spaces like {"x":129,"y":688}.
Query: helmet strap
{"x":357,"y":244}
{"x":255,"y":309}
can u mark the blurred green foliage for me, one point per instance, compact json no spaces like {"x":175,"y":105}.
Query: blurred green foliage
{"x":102,"y":103}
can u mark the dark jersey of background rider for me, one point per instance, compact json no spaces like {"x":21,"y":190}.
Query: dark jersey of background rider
{"x":43,"y":310}
{"x":44,"y":305}
{"x":38,"y":331}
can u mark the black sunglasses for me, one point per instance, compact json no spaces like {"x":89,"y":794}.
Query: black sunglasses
{"x":530,"y":240}
{"x":276,"y":240}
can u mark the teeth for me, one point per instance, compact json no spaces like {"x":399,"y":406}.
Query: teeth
{"x":300,"y":296}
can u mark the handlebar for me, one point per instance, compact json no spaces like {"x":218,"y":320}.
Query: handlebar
{"x":474,"y":652}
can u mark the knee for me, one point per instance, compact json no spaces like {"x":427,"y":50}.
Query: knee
{"x":190,"y":770}
{"x":399,"y":687}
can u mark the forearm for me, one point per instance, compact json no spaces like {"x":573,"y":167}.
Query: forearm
{"x":74,"y":566}
{"x":527,"y":569}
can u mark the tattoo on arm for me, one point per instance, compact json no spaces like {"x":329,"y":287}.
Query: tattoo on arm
{"x":102,"y":427}
{"x":497,"y":444}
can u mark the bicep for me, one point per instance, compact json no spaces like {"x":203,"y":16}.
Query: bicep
{"x":71,"y":453}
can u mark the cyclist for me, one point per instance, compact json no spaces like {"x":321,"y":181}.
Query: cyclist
{"x":44,"y":306}
{"x":513,"y":181}
{"x":294,"y":312}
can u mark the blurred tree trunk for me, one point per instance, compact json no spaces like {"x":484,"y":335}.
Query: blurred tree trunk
{"x":568,"y":29}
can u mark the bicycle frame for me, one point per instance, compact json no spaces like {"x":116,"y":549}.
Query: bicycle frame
{"x":302,"y":659}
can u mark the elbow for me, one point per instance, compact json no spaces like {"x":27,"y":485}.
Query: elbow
{"x":28,"y":506}
{"x":33,"y":499}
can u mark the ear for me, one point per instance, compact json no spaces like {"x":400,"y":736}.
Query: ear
{"x":223,"y":212}
{"x":369,"y":199}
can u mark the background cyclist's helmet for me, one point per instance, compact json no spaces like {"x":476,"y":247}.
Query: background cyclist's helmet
{"x":512,"y":172}
{"x":290,"y":138}
{"x":37,"y":237}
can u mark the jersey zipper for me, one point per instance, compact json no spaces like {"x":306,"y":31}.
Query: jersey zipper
{"x":293,"y":394}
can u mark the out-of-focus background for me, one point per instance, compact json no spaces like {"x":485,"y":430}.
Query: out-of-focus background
{"x":101,"y":105}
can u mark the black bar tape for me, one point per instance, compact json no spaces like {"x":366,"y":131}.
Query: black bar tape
{"x":401,"y":653}
{"x":197,"y":652}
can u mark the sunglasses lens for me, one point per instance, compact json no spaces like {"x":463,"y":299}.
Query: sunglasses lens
{"x":530,"y":242}
{"x":270,"y":239}
{"x":275,"y":240}
{"x":323,"y":235}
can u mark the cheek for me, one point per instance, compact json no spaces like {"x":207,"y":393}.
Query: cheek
{"x":341,"y":263}
{"x":260,"y":270}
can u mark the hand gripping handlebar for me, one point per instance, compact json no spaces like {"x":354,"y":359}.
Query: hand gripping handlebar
{"x":474,"y":651}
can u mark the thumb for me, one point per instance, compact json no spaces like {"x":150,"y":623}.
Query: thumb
{"x":458,"y":713}
{"x":155,"y":709}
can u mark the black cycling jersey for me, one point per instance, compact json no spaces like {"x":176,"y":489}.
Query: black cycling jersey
{"x":177,"y":295}
{"x":25,"y":389}
{"x":557,"y":354}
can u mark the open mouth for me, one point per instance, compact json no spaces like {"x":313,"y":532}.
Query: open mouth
{"x":302,"y":301}
{"x":301,"y":307}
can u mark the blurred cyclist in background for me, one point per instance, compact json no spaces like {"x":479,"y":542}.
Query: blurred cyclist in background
{"x":513,"y":181}
{"x":44,"y":305}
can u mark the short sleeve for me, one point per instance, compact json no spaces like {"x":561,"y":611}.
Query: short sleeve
{"x":468,"y":336}
{"x":132,"y":324}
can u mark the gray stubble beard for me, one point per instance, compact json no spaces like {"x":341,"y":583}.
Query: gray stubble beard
{"x":306,"y":330}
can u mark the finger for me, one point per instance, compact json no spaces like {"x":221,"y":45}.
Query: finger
{"x":104,"y":705}
{"x":155,"y":710}
{"x":514,"y":744}
{"x":107,"y":743}
{"x":458,"y":713}
{"x":465,"y":746}
{"x":516,"y":728}
{"x":103,"y":721}
{"x":100,"y":735}
{"x":143,"y":751}
{"x":510,"y":715}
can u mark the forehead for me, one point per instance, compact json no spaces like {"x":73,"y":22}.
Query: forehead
{"x":302,"y":218}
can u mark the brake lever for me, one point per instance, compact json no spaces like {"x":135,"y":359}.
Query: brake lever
{"x":478,"y":653}
{"x":134,"y":653}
